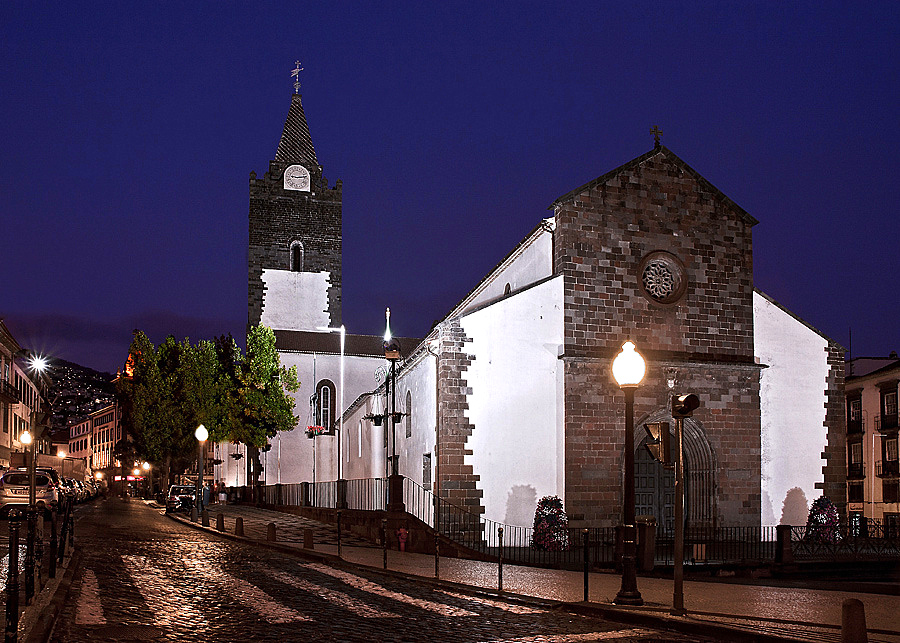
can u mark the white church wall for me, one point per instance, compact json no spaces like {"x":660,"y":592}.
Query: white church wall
{"x":516,"y":403}
{"x":419,"y":380}
{"x":528,"y":264}
{"x":291,"y":455}
{"x":365,"y":456}
{"x":295,"y":300}
{"x":792,"y":406}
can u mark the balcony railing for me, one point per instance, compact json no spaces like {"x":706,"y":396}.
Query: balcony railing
{"x":854,"y":426}
{"x":887,"y":423}
{"x":887,"y":468}
{"x":855,"y":471}
{"x":8,"y":393}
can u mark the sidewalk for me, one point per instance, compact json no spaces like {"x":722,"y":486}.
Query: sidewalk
{"x":727,"y":610}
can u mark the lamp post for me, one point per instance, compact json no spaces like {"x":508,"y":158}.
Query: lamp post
{"x":340,"y":429}
{"x":201,"y":434}
{"x":62,"y":457}
{"x":392,"y":354}
{"x":149,"y":486}
{"x":628,"y":370}
{"x":28,"y":441}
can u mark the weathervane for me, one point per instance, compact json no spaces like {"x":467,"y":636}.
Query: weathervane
{"x":656,"y":134}
{"x":295,"y":74}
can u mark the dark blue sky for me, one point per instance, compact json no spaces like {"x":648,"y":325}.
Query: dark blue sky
{"x":129,"y":132}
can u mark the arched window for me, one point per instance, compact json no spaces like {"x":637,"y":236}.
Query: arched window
{"x":296,"y":256}
{"x":507,"y":290}
{"x":325,"y":404}
{"x":408,"y":414}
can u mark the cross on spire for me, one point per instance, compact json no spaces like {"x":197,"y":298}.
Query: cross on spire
{"x":656,"y":134}
{"x":295,"y":74}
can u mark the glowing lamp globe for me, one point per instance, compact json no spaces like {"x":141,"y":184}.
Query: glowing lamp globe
{"x":25,"y":438}
{"x":201,"y":433}
{"x":628,"y":367}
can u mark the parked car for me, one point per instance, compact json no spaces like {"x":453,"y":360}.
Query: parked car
{"x":67,"y":487}
{"x":14,"y":488}
{"x":180,"y":497}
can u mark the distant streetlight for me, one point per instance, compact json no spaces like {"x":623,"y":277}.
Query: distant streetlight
{"x":628,"y":370}
{"x":343,"y":332}
{"x":62,"y":457}
{"x":202,"y":435}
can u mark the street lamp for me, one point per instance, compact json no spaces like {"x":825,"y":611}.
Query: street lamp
{"x":340,"y":430}
{"x":628,"y":369}
{"x":62,"y":457}
{"x":201,"y":434}
{"x":392,"y":354}
{"x":27,"y":440}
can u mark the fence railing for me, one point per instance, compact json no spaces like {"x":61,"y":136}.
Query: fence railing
{"x":862,"y":540}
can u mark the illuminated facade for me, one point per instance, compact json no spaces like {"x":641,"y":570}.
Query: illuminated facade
{"x":510,"y":396}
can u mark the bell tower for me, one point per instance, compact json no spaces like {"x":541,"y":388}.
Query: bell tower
{"x":294,"y":252}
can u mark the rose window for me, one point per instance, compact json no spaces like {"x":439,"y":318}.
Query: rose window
{"x":662,"y":277}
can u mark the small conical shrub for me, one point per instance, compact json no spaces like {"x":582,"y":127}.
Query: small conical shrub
{"x":551,"y":526}
{"x":823,"y":523}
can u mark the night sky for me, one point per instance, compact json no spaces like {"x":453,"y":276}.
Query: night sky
{"x":129,"y":132}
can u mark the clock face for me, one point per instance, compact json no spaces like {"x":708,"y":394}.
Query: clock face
{"x":296,"y":177}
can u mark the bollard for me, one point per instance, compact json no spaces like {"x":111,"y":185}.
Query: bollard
{"x":384,"y":544}
{"x":12,"y":583}
{"x":853,"y":622}
{"x":587,"y":565}
{"x":500,"y":561}
{"x":437,"y":556}
{"x":54,"y":543}
{"x":30,"y":515}
{"x":205,"y":518}
{"x":194,"y":514}
{"x":308,"y":539}
{"x":220,"y":521}
{"x":239,"y":526}
{"x":339,"y":532}
{"x":270,"y":532}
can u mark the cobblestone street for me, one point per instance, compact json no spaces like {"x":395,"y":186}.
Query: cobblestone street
{"x":144,"y":577}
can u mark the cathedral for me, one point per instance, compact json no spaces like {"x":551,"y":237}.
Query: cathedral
{"x":510,"y":397}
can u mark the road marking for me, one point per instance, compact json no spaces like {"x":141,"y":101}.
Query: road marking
{"x":507,"y":607}
{"x":374,"y":588}
{"x":248,"y":594}
{"x":172,"y":604}
{"x":573,"y":638}
{"x":332,"y":596}
{"x":89,"y":610}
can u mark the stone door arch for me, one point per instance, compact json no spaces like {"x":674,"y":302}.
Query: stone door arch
{"x":654,"y":485}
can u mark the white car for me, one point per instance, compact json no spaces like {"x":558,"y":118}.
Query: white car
{"x":14,"y":487}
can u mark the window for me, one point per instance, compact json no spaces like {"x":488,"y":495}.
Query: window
{"x":325,"y":404}
{"x":856,"y":453}
{"x":426,"y":472}
{"x":855,"y":492}
{"x":890,"y":491}
{"x":359,"y":442}
{"x":507,"y":289}
{"x":408,"y":414}
{"x":890,"y":449}
{"x":296,"y":256}
{"x":855,"y":410}
{"x":890,"y":403}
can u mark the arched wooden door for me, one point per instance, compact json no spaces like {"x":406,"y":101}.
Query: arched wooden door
{"x":654,"y":490}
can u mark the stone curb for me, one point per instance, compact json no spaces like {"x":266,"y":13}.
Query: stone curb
{"x":632,"y":616}
{"x":42,"y":628}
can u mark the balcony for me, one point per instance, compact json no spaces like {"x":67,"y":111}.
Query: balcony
{"x":855,"y":471}
{"x":887,"y":469}
{"x":888,"y":423}
{"x":854,"y":426}
{"x":8,"y":393}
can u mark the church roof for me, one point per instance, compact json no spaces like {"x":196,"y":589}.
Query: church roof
{"x":675,"y":160}
{"x":296,"y":145}
{"x":302,"y":341}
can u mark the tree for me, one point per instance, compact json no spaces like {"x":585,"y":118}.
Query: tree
{"x":264,"y":404}
{"x":177,"y":386}
{"x":551,"y":525}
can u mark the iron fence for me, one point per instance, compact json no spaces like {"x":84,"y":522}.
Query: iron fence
{"x":708,"y":545}
{"x":867,"y":539}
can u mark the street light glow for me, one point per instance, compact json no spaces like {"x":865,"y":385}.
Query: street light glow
{"x":387,"y":325}
{"x":628,"y":368}
{"x":39,"y":363}
{"x":146,"y":466}
{"x":201,"y":433}
{"x":61,"y":454}
{"x":25,"y":438}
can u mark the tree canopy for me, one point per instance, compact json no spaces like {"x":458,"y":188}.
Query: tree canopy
{"x":177,"y":386}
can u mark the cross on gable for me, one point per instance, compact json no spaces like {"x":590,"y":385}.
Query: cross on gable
{"x":656,"y":134}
